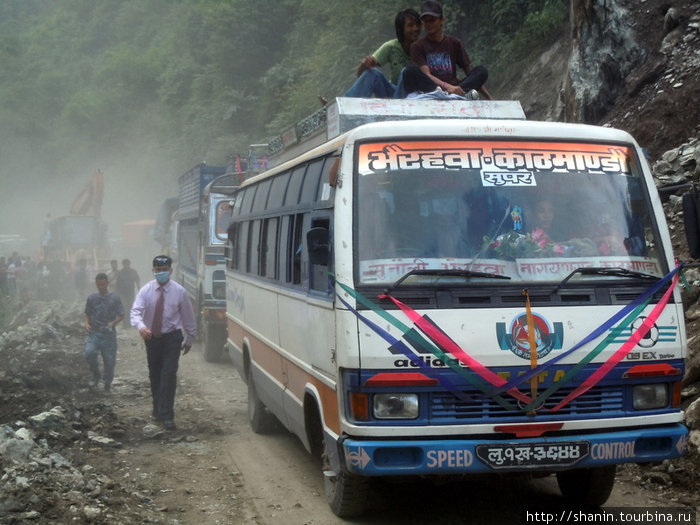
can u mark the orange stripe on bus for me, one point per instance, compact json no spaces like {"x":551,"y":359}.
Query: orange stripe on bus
{"x":295,"y":379}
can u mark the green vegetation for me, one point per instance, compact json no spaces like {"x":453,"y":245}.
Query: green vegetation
{"x":518,"y":29}
{"x":200,"y":79}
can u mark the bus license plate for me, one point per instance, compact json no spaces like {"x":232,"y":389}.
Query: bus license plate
{"x":532,"y":454}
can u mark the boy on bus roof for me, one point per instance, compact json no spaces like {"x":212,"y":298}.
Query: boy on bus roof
{"x":396,"y":52}
{"x":435,"y":59}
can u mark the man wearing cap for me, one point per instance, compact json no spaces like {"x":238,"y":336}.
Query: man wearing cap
{"x":435,"y":59}
{"x":397,"y":53}
{"x":161,"y":312}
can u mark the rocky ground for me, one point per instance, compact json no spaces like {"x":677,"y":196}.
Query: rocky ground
{"x":67,"y":451}
{"x":70,"y":454}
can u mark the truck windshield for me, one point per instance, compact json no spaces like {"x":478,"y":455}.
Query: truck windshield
{"x":531,"y":211}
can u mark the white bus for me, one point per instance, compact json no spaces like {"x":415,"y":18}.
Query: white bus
{"x":456,"y":296}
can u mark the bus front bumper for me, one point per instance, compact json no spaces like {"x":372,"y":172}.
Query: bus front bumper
{"x":465,"y":456}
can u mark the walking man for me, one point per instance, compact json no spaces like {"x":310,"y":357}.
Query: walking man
{"x":161,"y":312}
{"x":103,"y":311}
{"x":112,"y":275}
{"x":127,"y":283}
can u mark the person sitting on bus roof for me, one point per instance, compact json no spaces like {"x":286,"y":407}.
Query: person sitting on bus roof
{"x":435,"y":59}
{"x":397,"y":53}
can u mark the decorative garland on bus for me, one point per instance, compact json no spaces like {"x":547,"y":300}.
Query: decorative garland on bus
{"x":493,"y":385}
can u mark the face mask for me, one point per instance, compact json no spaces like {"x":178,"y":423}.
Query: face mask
{"x":162,"y":277}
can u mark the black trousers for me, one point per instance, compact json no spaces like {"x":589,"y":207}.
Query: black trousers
{"x":415,"y":80}
{"x":163,"y":356}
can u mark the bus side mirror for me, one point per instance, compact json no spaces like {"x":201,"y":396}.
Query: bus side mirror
{"x":317,"y":242}
{"x":691,"y":221}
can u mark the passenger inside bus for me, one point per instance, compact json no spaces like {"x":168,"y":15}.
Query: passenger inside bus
{"x":543,"y":216}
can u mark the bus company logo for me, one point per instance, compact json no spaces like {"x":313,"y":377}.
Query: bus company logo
{"x":516,"y":336}
{"x":650,"y":338}
{"x":655,"y":334}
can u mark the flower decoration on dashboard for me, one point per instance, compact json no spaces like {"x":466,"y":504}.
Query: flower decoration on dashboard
{"x":517,"y":245}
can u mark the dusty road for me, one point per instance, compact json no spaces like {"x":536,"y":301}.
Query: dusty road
{"x":214,"y":469}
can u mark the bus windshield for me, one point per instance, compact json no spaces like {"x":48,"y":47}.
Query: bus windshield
{"x":532,"y":211}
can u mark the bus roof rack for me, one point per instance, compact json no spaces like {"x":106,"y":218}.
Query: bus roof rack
{"x":345,"y":113}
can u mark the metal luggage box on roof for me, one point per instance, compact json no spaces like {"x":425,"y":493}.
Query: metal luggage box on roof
{"x":345,"y":113}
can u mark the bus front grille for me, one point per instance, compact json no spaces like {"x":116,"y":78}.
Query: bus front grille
{"x":446,"y":408}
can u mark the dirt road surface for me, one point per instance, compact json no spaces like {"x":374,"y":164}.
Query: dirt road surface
{"x":214,"y":469}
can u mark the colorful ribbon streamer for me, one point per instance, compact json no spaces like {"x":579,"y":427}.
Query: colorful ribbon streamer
{"x":643,"y":298}
{"x":441,"y":345}
{"x":571,"y":373}
{"x":443,"y":340}
{"x":415,"y":339}
{"x":401,"y":346}
{"x":625,"y":349}
{"x":533,"y":343}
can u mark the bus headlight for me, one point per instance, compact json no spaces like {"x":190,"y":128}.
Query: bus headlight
{"x":646,"y":397}
{"x":395,"y":406}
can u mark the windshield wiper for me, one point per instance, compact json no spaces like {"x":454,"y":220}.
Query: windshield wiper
{"x":605,"y":271}
{"x":443,"y":272}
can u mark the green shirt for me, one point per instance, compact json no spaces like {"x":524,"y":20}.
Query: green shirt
{"x":392,"y":53}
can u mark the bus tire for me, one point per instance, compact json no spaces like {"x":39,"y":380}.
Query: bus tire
{"x":214,"y":340}
{"x":262,"y":421}
{"x":314,"y":427}
{"x":346,"y":493}
{"x":587,"y":486}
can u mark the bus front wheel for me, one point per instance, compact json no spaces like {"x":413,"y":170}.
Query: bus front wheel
{"x":587,"y":486}
{"x":346,"y":493}
{"x":262,"y":421}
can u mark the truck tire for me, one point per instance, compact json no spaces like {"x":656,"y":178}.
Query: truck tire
{"x":346,"y":493}
{"x":587,"y":486}
{"x":214,"y":341}
{"x":262,"y":421}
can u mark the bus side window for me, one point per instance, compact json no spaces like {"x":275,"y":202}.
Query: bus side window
{"x":298,"y":248}
{"x":268,"y":248}
{"x":285,"y":239}
{"x":319,"y":248}
{"x":254,"y":248}
{"x":293,"y":259}
{"x":242,"y":246}
{"x":232,"y":247}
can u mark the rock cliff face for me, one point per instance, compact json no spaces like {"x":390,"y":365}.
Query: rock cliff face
{"x":604,"y":52}
{"x":634,"y":65}
{"x":631,"y":64}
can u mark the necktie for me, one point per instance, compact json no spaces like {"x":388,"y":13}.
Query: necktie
{"x":157,"y":325}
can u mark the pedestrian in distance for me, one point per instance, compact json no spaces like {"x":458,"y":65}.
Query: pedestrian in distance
{"x":161,"y":312}
{"x":80,"y":277}
{"x":103,"y":312}
{"x":127,"y":284}
{"x":112,"y":275}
